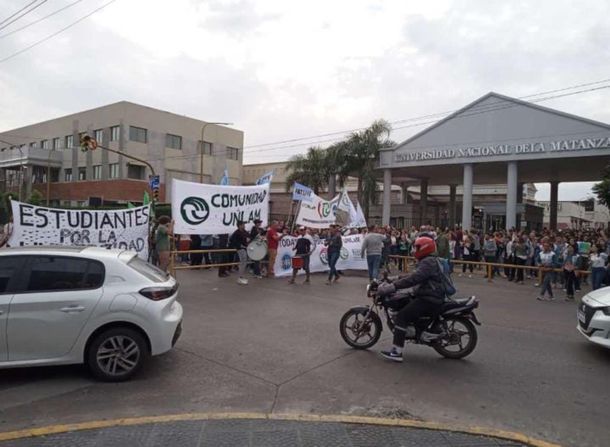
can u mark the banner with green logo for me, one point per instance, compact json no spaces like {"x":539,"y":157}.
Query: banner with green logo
{"x":198,"y":208}
{"x":318,"y":213}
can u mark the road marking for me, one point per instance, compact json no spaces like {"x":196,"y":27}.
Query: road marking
{"x":408,"y":423}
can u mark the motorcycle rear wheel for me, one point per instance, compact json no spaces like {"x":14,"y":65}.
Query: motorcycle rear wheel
{"x":458,"y":328}
{"x":357,"y":332}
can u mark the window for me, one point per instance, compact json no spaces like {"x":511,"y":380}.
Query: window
{"x":115,"y":133}
{"x":207,"y":147}
{"x":56,"y":143}
{"x":9,"y":265}
{"x":34,"y":145}
{"x":232,"y":153}
{"x":69,"y":142}
{"x":98,"y":135}
{"x":137,"y":134}
{"x":82,"y":173}
{"x":173,"y":141}
{"x":45,"y":144}
{"x":114,"y":170}
{"x":135,"y":172}
{"x":97,"y":172}
{"x":68,"y":175}
{"x":48,"y":273}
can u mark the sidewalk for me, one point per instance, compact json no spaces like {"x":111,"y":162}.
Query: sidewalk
{"x":254,"y":433}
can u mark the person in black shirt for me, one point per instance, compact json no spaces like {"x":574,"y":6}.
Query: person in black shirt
{"x":239,"y":241}
{"x":334,"y":244}
{"x":303,"y":248}
{"x":221,"y":258}
{"x":255,"y":232}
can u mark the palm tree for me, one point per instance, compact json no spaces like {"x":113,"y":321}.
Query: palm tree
{"x":311,"y":169}
{"x":363,"y":155}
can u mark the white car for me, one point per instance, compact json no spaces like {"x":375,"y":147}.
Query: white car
{"x":594,"y":316}
{"x":105,"y":308}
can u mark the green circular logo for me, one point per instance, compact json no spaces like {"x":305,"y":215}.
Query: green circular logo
{"x":194,"y":210}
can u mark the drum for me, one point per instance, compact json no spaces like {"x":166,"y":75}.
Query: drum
{"x":297,"y":262}
{"x":257,"y":249}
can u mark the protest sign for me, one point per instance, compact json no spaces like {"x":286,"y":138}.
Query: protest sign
{"x":302,"y":193}
{"x":125,"y":229}
{"x":267,"y":178}
{"x":318,"y":213}
{"x":349,"y":259}
{"x":198,"y":208}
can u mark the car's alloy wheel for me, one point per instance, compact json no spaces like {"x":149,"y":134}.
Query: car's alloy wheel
{"x":117,"y":354}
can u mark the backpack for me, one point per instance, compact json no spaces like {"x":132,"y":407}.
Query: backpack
{"x":446,"y":282}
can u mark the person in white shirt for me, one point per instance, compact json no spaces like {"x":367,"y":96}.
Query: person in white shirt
{"x":597,"y":261}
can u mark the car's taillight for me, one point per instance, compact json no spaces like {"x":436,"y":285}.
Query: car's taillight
{"x":158,"y":293}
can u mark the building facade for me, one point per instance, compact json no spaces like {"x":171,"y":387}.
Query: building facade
{"x":584,"y":214}
{"x":497,"y":140}
{"x":47,"y":157}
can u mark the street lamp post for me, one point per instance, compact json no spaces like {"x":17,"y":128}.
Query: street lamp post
{"x":202,"y":147}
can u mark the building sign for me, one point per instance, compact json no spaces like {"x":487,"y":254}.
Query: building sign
{"x":124,"y":229}
{"x":198,"y":208}
{"x":582,"y":144}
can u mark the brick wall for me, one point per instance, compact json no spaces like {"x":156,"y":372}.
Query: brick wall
{"x":111,"y":190}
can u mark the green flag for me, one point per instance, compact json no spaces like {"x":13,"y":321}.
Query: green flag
{"x":146,"y":199}
{"x":130,"y":205}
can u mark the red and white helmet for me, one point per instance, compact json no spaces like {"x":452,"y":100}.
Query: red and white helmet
{"x":424,"y":246}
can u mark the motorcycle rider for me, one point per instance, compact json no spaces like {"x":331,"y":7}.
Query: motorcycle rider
{"x":428,"y":297}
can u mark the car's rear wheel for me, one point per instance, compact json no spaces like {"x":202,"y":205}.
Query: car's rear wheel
{"x":117,"y":354}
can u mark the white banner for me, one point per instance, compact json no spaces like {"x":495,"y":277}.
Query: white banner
{"x":318,"y":262}
{"x":318,"y":213}
{"x":126,"y":229}
{"x":198,"y":208}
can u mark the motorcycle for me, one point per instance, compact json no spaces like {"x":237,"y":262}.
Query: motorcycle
{"x":452,"y":333}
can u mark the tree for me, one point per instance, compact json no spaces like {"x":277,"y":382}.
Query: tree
{"x":602,"y":189}
{"x":311,"y":169}
{"x":36,"y":198}
{"x":363,"y":157}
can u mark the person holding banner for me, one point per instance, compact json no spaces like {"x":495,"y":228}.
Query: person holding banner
{"x":162,"y":241}
{"x":239,"y":241}
{"x":303,"y":248}
{"x":334,"y":244}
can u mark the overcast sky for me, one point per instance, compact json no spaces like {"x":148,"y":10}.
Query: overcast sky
{"x":282,"y":69}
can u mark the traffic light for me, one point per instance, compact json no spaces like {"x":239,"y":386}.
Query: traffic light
{"x":155,"y":195}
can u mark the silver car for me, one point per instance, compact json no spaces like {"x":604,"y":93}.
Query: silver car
{"x":105,"y":308}
{"x":594,"y":316}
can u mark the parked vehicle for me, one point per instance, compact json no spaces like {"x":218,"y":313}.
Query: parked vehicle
{"x":105,"y":308}
{"x":452,"y":333}
{"x":593,"y":316}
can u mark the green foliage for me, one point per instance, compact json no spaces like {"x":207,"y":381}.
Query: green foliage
{"x":35,"y":198}
{"x":602,"y":189}
{"x":356,"y":156}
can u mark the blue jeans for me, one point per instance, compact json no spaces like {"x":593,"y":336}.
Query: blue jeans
{"x":373,"y":262}
{"x":333,"y":257}
{"x":597,"y":277}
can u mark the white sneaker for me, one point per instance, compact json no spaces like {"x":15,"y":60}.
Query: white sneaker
{"x":242,"y":281}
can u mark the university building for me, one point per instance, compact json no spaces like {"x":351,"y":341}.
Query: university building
{"x":46,"y":156}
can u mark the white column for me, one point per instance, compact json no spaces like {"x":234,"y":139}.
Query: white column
{"x":512,"y":175}
{"x":387,"y":197}
{"x":467,"y":198}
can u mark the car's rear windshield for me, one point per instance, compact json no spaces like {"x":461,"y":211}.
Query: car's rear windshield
{"x":150,"y":271}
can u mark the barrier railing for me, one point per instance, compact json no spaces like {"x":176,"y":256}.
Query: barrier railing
{"x":173,"y":265}
{"x":489,"y":266}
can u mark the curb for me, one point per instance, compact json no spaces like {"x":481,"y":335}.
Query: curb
{"x":407,"y":423}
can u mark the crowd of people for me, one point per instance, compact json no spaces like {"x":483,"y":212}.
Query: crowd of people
{"x":567,"y":258}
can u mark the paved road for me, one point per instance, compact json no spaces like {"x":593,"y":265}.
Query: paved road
{"x":272,"y":347}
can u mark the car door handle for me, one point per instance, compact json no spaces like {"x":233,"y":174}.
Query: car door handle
{"x":70,"y":309}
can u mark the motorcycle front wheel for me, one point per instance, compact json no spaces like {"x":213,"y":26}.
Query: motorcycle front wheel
{"x":460,"y":340}
{"x":358,"y":332}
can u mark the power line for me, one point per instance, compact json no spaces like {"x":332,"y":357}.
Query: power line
{"x":474,"y":111}
{"x":23,"y":14}
{"x":57,"y":32}
{"x":41,"y":19}
{"x":14,"y":14}
{"x":418,"y":118}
